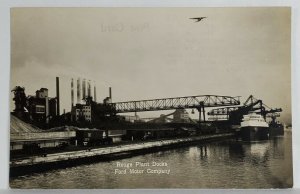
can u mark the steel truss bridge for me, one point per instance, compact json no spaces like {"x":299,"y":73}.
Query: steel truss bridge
{"x":197,"y":102}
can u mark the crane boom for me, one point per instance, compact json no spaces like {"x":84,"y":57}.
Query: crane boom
{"x":175,"y":103}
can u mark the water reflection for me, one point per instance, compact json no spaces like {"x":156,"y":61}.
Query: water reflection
{"x":226,"y":164}
{"x":203,"y":152}
{"x":236,"y":151}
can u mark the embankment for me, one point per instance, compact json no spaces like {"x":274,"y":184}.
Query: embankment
{"x":64,"y":159}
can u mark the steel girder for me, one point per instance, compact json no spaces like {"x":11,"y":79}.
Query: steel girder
{"x":175,"y":103}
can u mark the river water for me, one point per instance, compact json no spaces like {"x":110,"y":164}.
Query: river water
{"x":223,"y":164}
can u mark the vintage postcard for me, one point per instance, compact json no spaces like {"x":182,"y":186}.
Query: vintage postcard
{"x":134,"y":98}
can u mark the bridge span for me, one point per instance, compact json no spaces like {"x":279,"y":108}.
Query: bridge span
{"x":198,"y":102}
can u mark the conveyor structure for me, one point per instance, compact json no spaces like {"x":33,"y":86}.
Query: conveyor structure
{"x":198,"y":102}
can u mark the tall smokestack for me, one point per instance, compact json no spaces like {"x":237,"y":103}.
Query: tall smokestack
{"x":47,"y":109}
{"x":110,"y":94}
{"x":89,"y":88}
{"x":72,"y":92}
{"x":95,"y":99}
{"x":78,"y":91}
{"x":57,"y":97}
{"x":83,"y":89}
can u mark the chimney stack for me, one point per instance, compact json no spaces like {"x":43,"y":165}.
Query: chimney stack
{"x":78,"y":91}
{"x":110,"y":94}
{"x":57,"y":97}
{"x":95,"y":99}
{"x":89,"y":88}
{"x":83,"y":89}
{"x":72,"y":92}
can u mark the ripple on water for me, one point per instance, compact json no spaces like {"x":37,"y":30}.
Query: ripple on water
{"x":228,"y":164}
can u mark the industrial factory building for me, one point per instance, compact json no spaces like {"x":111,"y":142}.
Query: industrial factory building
{"x":43,"y":110}
{"x":81,"y":112}
{"x":95,"y":124}
{"x":38,"y":108}
{"x":41,"y":107}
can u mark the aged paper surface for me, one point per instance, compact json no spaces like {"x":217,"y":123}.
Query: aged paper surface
{"x":151,"y":98}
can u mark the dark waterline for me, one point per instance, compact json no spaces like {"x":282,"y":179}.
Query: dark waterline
{"x":225,"y":164}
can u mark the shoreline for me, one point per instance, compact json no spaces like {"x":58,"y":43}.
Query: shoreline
{"x":19,"y":167}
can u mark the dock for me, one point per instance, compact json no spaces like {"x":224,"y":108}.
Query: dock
{"x":63,"y":159}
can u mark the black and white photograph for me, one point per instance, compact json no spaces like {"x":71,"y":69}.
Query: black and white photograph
{"x":150,"y":98}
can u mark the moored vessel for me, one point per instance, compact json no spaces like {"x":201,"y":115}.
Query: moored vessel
{"x":254,"y":127}
{"x":275,"y":127}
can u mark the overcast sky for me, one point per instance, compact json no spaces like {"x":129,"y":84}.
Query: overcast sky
{"x":145,"y":53}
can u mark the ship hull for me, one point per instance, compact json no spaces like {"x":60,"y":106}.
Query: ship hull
{"x":276,"y":130}
{"x":252,"y":133}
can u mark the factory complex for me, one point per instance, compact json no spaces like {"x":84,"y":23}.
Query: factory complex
{"x":37,"y":127}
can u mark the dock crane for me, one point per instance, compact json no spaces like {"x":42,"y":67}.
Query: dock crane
{"x":187,"y":102}
{"x":235,"y":113}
